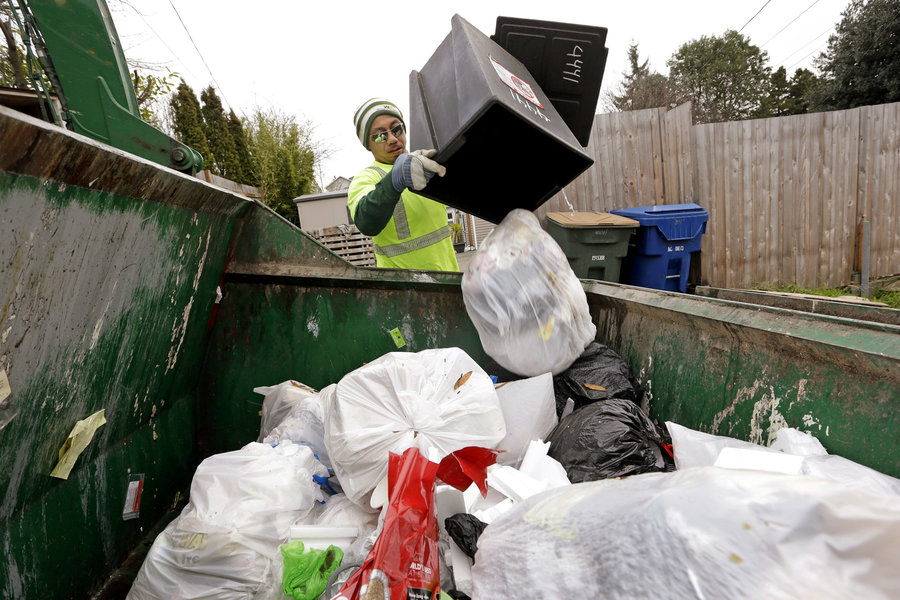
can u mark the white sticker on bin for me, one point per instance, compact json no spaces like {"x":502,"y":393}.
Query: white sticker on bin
{"x":517,"y":84}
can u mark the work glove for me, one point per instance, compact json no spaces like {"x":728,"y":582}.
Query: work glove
{"x":415,"y":170}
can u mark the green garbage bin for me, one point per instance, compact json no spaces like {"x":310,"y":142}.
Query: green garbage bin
{"x":594,"y":242}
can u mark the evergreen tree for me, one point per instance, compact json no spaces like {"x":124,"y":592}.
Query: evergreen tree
{"x":803,"y":87}
{"x":218,"y":134}
{"x":862,"y":63}
{"x":242,"y":146}
{"x":726,"y":78}
{"x":284,"y":156}
{"x":187,"y":122}
{"x":640,"y":88}
{"x":775,"y":104}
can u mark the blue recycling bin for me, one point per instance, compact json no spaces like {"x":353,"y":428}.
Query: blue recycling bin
{"x":659,"y":254}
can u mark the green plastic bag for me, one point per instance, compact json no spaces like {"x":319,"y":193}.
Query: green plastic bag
{"x":306,"y":573}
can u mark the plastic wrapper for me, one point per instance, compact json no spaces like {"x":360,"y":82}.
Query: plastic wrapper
{"x":306,"y":571}
{"x":528,"y":306}
{"x":698,"y":533}
{"x":435,"y":398}
{"x":599,"y":373}
{"x":465,"y":529}
{"x":610,"y":438}
{"x":225,"y":543}
{"x":696,"y":449}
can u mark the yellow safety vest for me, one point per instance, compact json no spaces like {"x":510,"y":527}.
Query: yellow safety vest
{"x":417,"y":236}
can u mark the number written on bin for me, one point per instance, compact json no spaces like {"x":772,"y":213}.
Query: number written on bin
{"x":598,"y":257}
{"x":676,"y":248}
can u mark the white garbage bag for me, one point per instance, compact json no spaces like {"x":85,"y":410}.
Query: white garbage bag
{"x":435,"y":398}
{"x":528,"y":306}
{"x":694,"y":448}
{"x":699,"y":533}
{"x":225,"y":544}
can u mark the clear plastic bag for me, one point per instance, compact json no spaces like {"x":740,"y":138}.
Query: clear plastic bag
{"x":528,"y":306}
{"x":279,"y":401}
{"x":302,"y":424}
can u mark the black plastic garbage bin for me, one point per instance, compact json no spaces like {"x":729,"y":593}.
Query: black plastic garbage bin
{"x":594,"y":242}
{"x":567,"y":61}
{"x":504,"y":144}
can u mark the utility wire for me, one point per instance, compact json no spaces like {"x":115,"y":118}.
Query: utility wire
{"x":221,"y":91}
{"x":754,"y":16}
{"x":788,"y":25}
{"x":159,"y":37}
{"x":798,"y":50}
{"x":805,"y":57}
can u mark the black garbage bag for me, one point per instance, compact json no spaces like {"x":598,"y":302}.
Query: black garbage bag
{"x":609,"y":438}
{"x":599,"y":373}
{"x":465,"y":529}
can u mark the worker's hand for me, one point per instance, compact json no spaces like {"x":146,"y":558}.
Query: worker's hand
{"x":415,"y":170}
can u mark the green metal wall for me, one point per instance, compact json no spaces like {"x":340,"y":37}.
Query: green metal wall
{"x":108,"y":275}
{"x":745,"y":371}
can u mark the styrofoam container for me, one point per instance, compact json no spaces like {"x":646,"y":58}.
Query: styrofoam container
{"x":322,"y":536}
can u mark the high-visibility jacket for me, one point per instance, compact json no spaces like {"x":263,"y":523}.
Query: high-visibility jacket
{"x":416,"y":236}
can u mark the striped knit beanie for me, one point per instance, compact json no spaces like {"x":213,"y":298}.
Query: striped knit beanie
{"x":367,"y":112}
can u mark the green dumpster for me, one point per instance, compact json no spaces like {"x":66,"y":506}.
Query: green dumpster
{"x":162,"y":301}
{"x":594,"y":242}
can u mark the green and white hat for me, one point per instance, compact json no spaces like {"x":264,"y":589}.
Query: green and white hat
{"x":367,"y":112}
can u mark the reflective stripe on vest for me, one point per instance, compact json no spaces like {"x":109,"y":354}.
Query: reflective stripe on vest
{"x":418,"y":243}
{"x":401,"y":222}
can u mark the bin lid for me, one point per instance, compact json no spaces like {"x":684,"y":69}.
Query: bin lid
{"x":591,"y":219}
{"x":667,"y":211}
{"x":674,"y":221}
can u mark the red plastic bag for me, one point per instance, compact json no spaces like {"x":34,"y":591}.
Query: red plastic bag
{"x":404,"y":561}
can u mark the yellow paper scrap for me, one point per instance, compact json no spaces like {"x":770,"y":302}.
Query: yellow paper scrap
{"x":5,"y":390}
{"x":78,"y":440}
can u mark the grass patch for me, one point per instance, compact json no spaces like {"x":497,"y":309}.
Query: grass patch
{"x":892,"y":299}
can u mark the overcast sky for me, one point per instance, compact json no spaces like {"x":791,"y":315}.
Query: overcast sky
{"x":319,"y":60}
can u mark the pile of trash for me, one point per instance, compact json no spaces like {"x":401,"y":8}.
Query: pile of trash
{"x":419,"y":475}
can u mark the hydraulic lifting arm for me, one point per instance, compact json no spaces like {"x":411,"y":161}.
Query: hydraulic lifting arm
{"x":79,"y":51}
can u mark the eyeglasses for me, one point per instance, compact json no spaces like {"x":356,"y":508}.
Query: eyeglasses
{"x":382,"y":136}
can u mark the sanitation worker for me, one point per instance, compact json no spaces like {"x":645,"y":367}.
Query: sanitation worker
{"x":409,"y":231}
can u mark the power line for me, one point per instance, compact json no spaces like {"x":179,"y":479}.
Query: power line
{"x":221,"y":91}
{"x":754,"y":16}
{"x":805,"y":57}
{"x":788,"y":25}
{"x":783,"y":60}
{"x":159,"y":37}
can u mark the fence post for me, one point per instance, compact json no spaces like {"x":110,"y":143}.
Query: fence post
{"x":865,"y":241}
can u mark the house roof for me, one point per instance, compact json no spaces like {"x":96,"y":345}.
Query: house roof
{"x":320,"y":196}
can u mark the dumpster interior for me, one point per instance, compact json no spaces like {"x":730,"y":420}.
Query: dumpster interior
{"x":164,"y":301}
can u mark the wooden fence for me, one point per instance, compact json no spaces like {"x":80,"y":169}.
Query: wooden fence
{"x":785,"y":195}
{"x":349,"y":243}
